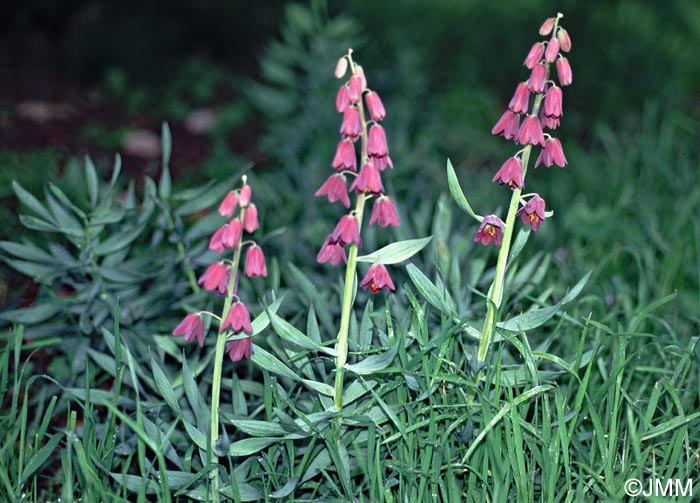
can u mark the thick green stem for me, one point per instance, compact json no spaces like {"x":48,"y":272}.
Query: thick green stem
{"x":496,"y":291}
{"x":218,"y":367}
{"x":350,"y":271}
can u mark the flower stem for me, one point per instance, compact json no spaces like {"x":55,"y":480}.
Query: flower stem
{"x":218,"y":367}
{"x":496,"y":291}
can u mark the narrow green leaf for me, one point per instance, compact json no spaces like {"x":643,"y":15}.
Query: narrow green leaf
{"x":166,"y":143}
{"x":430,"y":292}
{"x":249,"y":446}
{"x":91,"y":181}
{"x":669,"y":425}
{"x":32,"y":315}
{"x":40,"y":457}
{"x":115,"y":170}
{"x":38,"y":224}
{"x":396,"y":252}
{"x":58,"y":206}
{"x":164,"y":387}
{"x":286,"y":489}
{"x":42,"y":273}
{"x":457,"y":193}
{"x":273,"y":364}
{"x":256,"y":428}
{"x":27,"y":251}
{"x":531,"y":319}
{"x":576,"y":289}
{"x":28,"y":199}
{"x":199,"y":438}
{"x":119,"y":241}
{"x":290,"y":333}
{"x":375,"y":363}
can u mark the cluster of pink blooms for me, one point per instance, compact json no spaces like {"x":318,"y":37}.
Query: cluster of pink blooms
{"x":218,"y":275}
{"x":352,"y":100}
{"x":546,"y":113}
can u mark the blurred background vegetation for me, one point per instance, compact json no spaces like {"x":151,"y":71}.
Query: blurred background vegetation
{"x":246,"y":81}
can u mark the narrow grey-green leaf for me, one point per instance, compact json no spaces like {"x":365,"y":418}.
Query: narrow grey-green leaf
{"x":118,"y":241}
{"x":115,"y":170}
{"x":375,"y":363}
{"x":91,"y":181}
{"x":31,"y":315}
{"x":249,"y":446}
{"x":457,"y":193}
{"x":166,"y":143}
{"x":576,"y":289}
{"x":430,"y":292}
{"x":164,"y":387}
{"x":396,"y":252}
{"x":273,"y":364}
{"x":531,"y":319}
{"x":40,"y":457}
{"x":256,"y":428}
{"x":286,"y":489}
{"x":199,"y":438}
{"x":28,"y":199}
{"x":290,"y":333}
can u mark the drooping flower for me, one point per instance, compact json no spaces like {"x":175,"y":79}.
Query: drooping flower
{"x":331,"y":251}
{"x":564,"y":71}
{"x":490,"y":231}
{"x":532,"y":213}
{"x":192,"y":328}
{"x":345,"y":156}
{"x":228,"y":204}
{"x":341,"y":67}
{"x":238,"y":318}
{"x":250,"y":218}
{"x":216,"y":277}
{"x":336,"y":188}
{"x":564,"y":39}
{"x":232,"y":233}
{"x":216,"y":241}
{"x":552,"y":153}
{"x":342,"y":99}
{"x":376,"y":144}
{"x":547,"y":26}
{"x":355,"y":88}
{"x":238,"y":349}
{"x":534,"y":56}
{"x":375,"y":106}
{"x":549,"y":122}
{"x":507,"y":126}
{"x":384,"y":212}
{"x":351,"y":125}
{"x":244,"y":195}
{"x":520,"y":100}
{"x":369,"y":180}
{"x":531,"y":132}
{"x":537,"y":78}
{"x":255,"y":262}
{"x":511,"y":173}
{"x":550,"y":54}
{"x":347,"y":231}
{"x":376,"y":279}
{"x":553,"y":102}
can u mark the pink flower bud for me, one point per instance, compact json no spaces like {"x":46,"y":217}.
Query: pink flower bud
{"x":228,"y":204}
{"x":376,"y":279}
{"x":345,"y":156}
{"x":255,"y":262}
{"x":564,"y":39}
{"x":520,"y":101}
{"x":215,"y":278}
{"x":564,"y":71}
{"x":375,"y":106}
{"x":336,"y":188}
{"x":537,"y":78}
{"x":342,"y":99}
{"x":552,"y":50}
{"x":547,"y":26}
{"x":192,"y":328}
{"x":361,"y":73}
{"x":250,"y":218}
{"x":232,"y":233}
{"x":245,"y":195}
{"x":376,"y":144}
{"x":341,"y":67}
{"x":355,"y":88}
{"x":215,"y":243}
{"x":534,"y":56}
{"x":553,"y":102}
{"x":351,"y":125}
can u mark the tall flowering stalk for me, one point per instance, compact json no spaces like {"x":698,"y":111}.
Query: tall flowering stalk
{"x":356,"y":102}
{"x":222,"y":277}
{"x":543,"y":115}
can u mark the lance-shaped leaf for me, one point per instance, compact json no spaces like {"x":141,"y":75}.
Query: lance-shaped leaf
{"x":457,"y":193}
{"x":396,"y":252}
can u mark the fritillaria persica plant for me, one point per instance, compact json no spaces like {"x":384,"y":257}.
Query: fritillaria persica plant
{"x":222,"y":277}
{"x":535,"y":129}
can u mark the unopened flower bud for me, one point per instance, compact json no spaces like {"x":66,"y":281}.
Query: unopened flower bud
{"x":342,"y":99}
{"x":547,"y":26}
{"x":564,"y":39}
{"x":552,"y":50}
{"x":375,"y":106}
{"x":537,"y":78}
{"x":341,"y":67}
{"x":534,"y":56}
{"x":564,"y":71}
